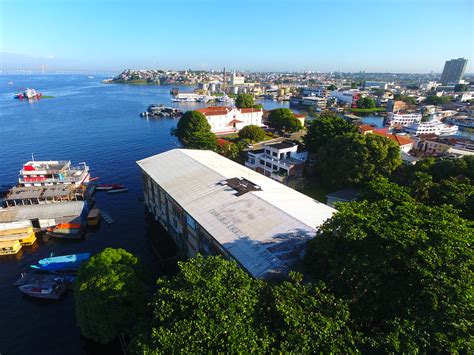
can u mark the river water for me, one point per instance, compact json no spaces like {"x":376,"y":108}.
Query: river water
{"x":86,"y":121}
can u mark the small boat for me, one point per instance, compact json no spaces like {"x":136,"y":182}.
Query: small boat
{"x":66,"y":231}
{"x":105,"y":187}
{"x":52,"y":263}
{"x":41,"y":277}
{"x":114,"y":191}
{"x":93,"y":217}
{"x":10,"y":247}
{"x":48,"y":290}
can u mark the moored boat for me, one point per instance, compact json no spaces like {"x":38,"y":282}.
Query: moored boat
{"x":47,"y":290}
{"x":68,"y":262}
{"x":93,"y":217}
{"x":66,"y":231}
{"x":113,"y":191}
{"x":34,"y":277}
{"x":10,"y":247}
{"x":105,"y":187}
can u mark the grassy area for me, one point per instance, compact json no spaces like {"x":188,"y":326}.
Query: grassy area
{"x":368,"y":110}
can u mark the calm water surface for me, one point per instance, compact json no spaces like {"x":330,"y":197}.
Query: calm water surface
{"x":86,"y":121}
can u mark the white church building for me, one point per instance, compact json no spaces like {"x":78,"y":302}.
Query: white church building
{"x":225,"y":120}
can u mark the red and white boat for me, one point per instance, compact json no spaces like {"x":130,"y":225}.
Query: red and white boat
{"x":53,"y":172}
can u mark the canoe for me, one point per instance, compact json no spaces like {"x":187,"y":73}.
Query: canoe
{"x":113,"y":191}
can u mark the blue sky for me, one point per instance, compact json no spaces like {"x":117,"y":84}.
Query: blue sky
{"x":325,"y":35}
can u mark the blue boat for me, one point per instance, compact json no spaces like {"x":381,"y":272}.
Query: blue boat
{"x":52,"y":263}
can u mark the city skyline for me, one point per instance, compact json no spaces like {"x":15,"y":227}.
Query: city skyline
{"x":266,"y":36}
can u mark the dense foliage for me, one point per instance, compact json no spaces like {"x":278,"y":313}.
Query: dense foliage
{"x":212,"y":306}
{"x":253,"y":133}
{"x":366,"y":102}
{"x":461,"y":87}
{"x":442,"y":181}
{"x":406,"y":270}
{"x":354,"y":158}
{"x":283,"y":119}
{"x":194,"y":131}
{"x":110,"y":293}
{"x":324,"y":128}
{"x":437,"y":100}
{"x":407,"y":99}
{"x":244,"y":101}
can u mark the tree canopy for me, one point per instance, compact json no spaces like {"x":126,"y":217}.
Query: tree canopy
{"x":406,"y":270}
{"x":193,"y":123}
{"x":244,"y":101}
{"x":354,"y":158}
{"x":324,"y":128}
{"x":437,"y":100}
{"x":284,"y":119}
{"x":366,"y":102}
{"x":213,"y":306}
{"x":202,"y":140}
{"x":253,"y":133}
{"x":461,"y":87}
{"x":110,"y":291}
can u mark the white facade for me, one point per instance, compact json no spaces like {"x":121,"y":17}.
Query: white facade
{"x":313,"y":101}
{"x":224,"y":120}
{"x":277,"y":161}
{"x":408,"y":119}
{"x":344,"y":96}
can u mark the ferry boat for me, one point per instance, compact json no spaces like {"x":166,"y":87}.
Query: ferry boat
{"x":404,"y":119}
{"x":53,"y":172}
{"x":432,"y":127}
{"x":66,"y":231}
{"x":28,"y":94}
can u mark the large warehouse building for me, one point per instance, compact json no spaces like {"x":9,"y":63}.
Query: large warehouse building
{"x":212,"y":205}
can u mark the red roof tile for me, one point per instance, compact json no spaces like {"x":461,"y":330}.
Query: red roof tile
{"x":400,"y":140}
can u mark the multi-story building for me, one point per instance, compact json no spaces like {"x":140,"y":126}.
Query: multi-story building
{"x":453,"y":71}
{"x":348,"y":97}
{"x":225,"y":120}
{"x":396,"y":105}
{"x":214,"y":206}
{"x":314,"y":101}
{"x":376,"y":85}
{"x":279,"y":161}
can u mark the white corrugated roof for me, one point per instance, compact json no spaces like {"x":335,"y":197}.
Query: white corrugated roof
{"x":264,"y":230}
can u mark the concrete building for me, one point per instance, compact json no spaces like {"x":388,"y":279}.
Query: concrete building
{"x":225,"y":120}
{"x":278,"y":161}
{"x":214,"y":206}
{"x":376,"y":85}
{"x":348,"y":97}
{"x":453,"y":71}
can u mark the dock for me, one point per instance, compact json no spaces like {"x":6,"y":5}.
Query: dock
{"x":106,"y":217}
{"x":42,"y":194}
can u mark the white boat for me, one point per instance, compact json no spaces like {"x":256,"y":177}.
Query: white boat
{"x":225,"y":98}
{"x":432,"y":127}
{"x":30,"y":94}
{"x":53,"y":172}
{"x":49,"y":290}
{"x":185,"y":97}
{"x":403,"y":120}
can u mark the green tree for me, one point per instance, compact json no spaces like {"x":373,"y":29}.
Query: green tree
{"x":284,"y":119}
{"x":332,"y":87}
{"x":437,"y":100}
{"x":253,"y":133}
{"x":406,"y":270}
{"x":366,"y":102}
{"x":202,"y":140}
{"x":380,"y":188}
{"x":461,"y":87}
{"x":110,"y":291}
{"x":324,"y":128}
{"x":354,"y":158}
{"x":210,"y":306}
{"x":458,"y":192}
{"x":190,"y":123}
{"x":244,"y":101}
{"x":309,"y":319}
{"x":231,"y":150}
